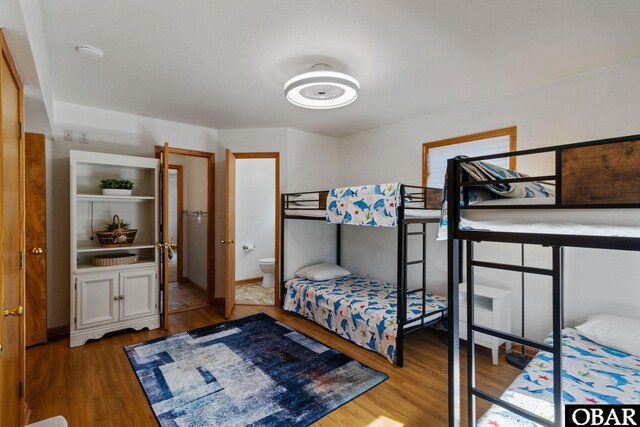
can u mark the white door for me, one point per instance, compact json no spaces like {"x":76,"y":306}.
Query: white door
{"x":138,"y":293}
{"x":97,"y":299}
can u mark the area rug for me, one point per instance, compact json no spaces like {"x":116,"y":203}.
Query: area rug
{"x":253,"y":371}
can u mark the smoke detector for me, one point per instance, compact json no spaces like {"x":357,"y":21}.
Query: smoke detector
{"x":322,"y":88}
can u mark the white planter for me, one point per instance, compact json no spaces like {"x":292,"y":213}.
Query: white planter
{"x":115,"y":192}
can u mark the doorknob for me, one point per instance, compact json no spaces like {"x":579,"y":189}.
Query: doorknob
{"x":38,"y":251}
{"x":15,"y":311}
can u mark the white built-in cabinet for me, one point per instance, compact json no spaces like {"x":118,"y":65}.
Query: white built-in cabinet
{"x":492,"y":309}
{"x":110,"y":298}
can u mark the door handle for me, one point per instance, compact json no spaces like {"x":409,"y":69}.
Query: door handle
{"x":230,"y":242}
{"x":38,"y":251}
{"x":167,"y":245}
{"x":17,"y":311}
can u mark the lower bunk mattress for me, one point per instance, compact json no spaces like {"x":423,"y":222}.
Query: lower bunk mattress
{"x":591,"y":374}
{"x":364,"y":311}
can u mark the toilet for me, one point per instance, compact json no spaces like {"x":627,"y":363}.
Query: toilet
{"x":267,"y":265}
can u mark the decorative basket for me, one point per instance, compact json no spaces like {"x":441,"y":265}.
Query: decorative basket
{"x":114,"y":259}
{"x":117,"y":238}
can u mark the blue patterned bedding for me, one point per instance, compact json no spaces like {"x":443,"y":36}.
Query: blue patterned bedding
{"x":371,"y":205}
{"x":592,"y":374}
{"x":364,"y":311}
{"x":483,"y":171}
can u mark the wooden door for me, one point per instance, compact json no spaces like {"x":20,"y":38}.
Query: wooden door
{"x":230,"y":233}
{"x":164,"y":244}
{"x":36,"y":240}
{"x":12,"y":246}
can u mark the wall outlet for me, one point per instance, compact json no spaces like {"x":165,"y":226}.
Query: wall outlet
{"x":68,"y":135}
{"x":84,"y":137}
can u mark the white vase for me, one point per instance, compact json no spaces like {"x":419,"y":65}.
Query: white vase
{"x":115,"y":192}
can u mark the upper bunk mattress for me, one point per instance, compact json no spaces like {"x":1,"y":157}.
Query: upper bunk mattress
{"x":585,"y":222}
{"x":364,"y":311}
{"x":592,"y":374}
{"x":408,"y":213}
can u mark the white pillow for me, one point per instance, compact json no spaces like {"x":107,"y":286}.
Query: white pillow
{"x":322,"y":271}
{"x":618,"y":332}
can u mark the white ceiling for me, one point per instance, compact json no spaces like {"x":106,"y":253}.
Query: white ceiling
{"x":223,"y":63}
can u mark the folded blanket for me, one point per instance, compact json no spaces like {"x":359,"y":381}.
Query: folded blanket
{"x":372,"y":205}
{"x":482,"y":171}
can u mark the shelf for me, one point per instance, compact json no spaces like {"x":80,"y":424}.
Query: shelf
{"x":91,"y":267}
{"x":101,"y":198}
{"x":92,"y":247}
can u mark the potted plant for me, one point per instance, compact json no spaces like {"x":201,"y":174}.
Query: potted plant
{"x":116,"y":187}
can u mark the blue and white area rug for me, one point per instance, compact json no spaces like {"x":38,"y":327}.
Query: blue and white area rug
{"x":253,"y":371}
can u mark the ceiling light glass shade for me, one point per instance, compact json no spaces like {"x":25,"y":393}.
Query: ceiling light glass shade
{"x":322,"y":90}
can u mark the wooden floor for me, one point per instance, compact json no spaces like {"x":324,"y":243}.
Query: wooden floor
{"x":94,"y":385}
{"x":186,"y":295}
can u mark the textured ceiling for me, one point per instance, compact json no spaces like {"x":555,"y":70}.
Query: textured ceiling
{"x":223,"y":64}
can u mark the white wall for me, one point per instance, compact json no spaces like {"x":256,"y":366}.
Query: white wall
{"x":120,"y":133}
{"x":109,"y":132}
{"x":255,"y":214}
{"x":194,"y":198}
{"x":307,"y":162}
{"x":594,"y":105}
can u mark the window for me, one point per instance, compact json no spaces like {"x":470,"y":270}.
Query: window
{"x":435,"y":154}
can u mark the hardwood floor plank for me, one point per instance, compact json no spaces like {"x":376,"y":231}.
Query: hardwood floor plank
{"x":94,"y":385}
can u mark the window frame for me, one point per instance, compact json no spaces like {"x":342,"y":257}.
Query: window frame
{"x":511,"y":132}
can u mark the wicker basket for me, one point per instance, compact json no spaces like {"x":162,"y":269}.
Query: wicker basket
{"x":117,"y":238}
{"x":114,"y":259}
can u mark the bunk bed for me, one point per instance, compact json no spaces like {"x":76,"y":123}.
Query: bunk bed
{"x":594,"y":205}
{"x":368,"y":312}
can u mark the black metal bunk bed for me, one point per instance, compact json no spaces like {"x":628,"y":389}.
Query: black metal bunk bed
{"x":592,"y":168}
{"x":413,"y":198}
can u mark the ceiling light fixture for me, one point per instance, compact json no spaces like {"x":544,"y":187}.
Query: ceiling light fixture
{"x":321,"y":89}
{"x":87,"y":51}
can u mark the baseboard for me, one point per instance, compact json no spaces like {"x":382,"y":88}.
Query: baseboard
{"x":249,"y":280}
{"x":58,"y":332}
{"x":218,"y":301}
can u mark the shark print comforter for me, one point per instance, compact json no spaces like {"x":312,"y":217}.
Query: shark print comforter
{"x":364,"y":311}
{"x":370,"y":205}
{"x":591,"y":374}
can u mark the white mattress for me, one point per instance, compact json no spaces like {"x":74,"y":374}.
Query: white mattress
{"x":408,"y":213}
{"x":585,"y":222}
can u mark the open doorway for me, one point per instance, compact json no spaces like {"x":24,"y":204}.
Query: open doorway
{"x":190,"y":229}
{"x":257,"y":227}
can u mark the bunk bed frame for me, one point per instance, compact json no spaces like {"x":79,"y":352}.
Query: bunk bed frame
{"x":427,"y":198}
{"x":574,"y":164}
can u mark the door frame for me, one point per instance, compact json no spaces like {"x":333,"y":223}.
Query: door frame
{"x":6,"y":55}
{"x":276,"y":156}
{"x":179,"y":219}
{"x":211,"y":157}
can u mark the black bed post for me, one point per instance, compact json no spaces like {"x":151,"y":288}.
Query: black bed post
{"x":454,"y":265}
{"x":401,"y":285}
{"x":338,"y":244}
{"x":282,"y":275}
{"x":558,"y":320}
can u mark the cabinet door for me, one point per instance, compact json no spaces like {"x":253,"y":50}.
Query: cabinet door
{"x":138,"y":288}
{"x":96,"y":299}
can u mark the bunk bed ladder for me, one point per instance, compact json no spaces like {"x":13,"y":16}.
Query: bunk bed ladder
{"x":556,"y":349}
{"x":402,"y":291}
